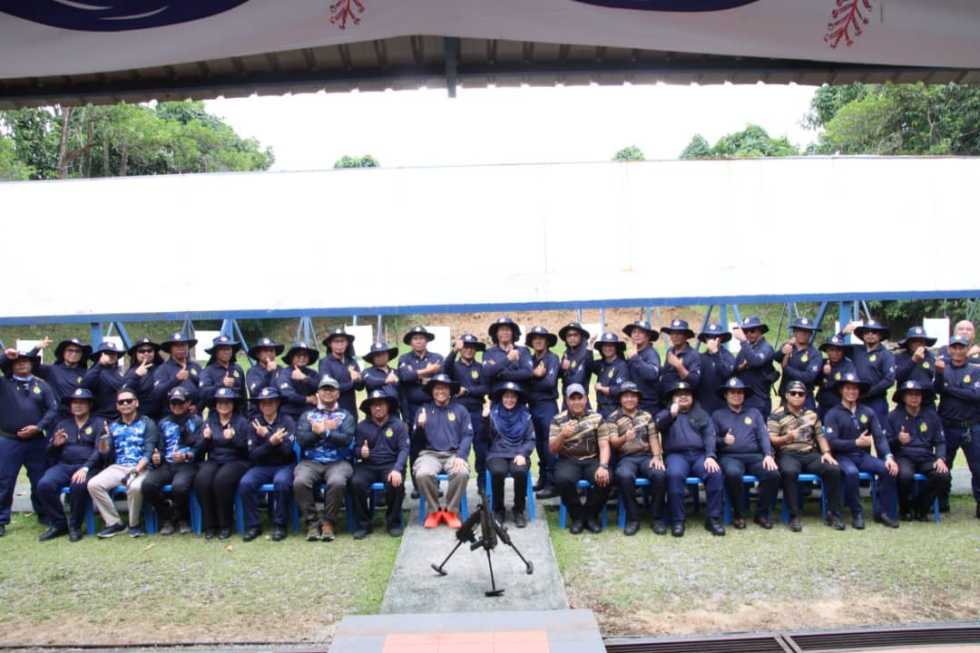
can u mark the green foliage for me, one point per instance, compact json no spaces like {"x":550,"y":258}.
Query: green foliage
{"x":900,"y":315}
{"x":366,"y":161}
{"x":750,"y":143}
{"x":129,"y":139}
{"x":11,"y":169}
{"x":631,"y":153}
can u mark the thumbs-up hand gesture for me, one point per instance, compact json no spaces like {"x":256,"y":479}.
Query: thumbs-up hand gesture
{"x":540,"y":370}
{"x":365,"y":451}
{"x":729,"y":438}
{"x":60,"y":438}
{"x":206,"y":432}
{"x":903,"y":436}
{"x":863,"y":440}
{"x":788,"y":349}
{"x":513,"y":355}
{"x":155,"y":459}
{"x":228,"y":381}
{"x":228,"y":433}
{"x":420,"y":419}
{"x":391,"y":378}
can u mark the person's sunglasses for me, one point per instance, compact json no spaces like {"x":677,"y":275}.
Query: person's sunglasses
{"x":145,"y":351}
{"x":125,"y":402}
{"x":796,"y":393}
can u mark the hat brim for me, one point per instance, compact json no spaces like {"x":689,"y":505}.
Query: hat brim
{"x":94,"y":356}
{"x":620,"y":345}
{"x":453,"y":387}
{"x":724,"y":337}
{"x":496,"y":327}
{"x":903,"y":343}
{"x":166,"y":346}
{"x":68,"y":399}
{"x":407,"y":339}
{"x":313,"y":354}
{"x":277,"y":348}
{"x":132,"y":350}
{"x":800,"y":327}
{"x":862,"y":330}
{"x":347,"y":336}
{"x":722,"y":390}
{"x":392,"y":354}
{"x":630,"y":328}
{"x":673,"y":391}
{"x":862,"y":386}
{"x":59,"y":351}
{"x":256,"y":400}
{"x":927,"y":395}
{"x":498,"y":394}
{"x":563,"y":332}
{"x":479,"y":346}
{"x":238,"y":401}
{"x":668,"y":330}
{"x":763,"y":327}
{"x":550,"y":337}
{"x":235,"y":348}
{"x":620,"y":392}
{"x":827,"y":345}
{"x":392,"y":402}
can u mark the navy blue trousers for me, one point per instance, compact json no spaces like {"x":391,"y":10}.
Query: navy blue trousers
{"x":14,"y":454}
{"x":281,"y":478}
{"x":542,"y":412}
{"x":628,"y":469}
{"x":49,"y":488}
{"x":480,"y":444}
{"x":679,"y":467}
{"x":853,"y":463}
{"x":736,"y":465}
{"x":956,"y":437}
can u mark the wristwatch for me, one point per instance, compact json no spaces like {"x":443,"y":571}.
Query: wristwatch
{"x":604,"y":466}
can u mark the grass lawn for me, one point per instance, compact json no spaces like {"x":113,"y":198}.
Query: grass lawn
{"x":769,"y":580}
{"x":182,"y":589}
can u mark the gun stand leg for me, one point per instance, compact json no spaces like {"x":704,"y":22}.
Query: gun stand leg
{"x":438,"y":569}
{"x":505,"y":538}
{"x":493,"y":585}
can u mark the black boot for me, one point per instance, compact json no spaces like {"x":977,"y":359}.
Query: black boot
{"x":52,"y":533}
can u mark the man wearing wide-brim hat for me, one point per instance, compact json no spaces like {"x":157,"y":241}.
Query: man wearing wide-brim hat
{"x":446,"y":433}
{"x":380,"y":450}
{"x":958,"y":382}
{"x":297,"y":381}
{"x":875,"y":365}
{"x":643,"y":363}
{"x":340,"y":362}
{"x":681,"y":362}
{"x":264,"y":371}
{"x":506,"y":360}
{"x":799,"y":358}
{"x":379,"y":375}
{"x":415,"y":368}
{"x":717,"y":366}
{"x":222,"y":371}
{"x":754,"y":362}
{"x":144,"y":358}
{"x":610,"y":371}
{"x":833,"y":369}
{"x":576,"y":361}
{"x":851,"y":428}
{"x":542,"y":401}
{"x":915,"y":434}
{"x":179,"y":369}
{"x":462,"y":367}
{"x":66,"y":373}
{"x":105,"y":379}
{"x":914,"y":361}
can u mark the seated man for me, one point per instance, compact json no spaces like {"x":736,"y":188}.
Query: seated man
{"x":743,"y":448}
{"x":381,"y":446}
{"x":583,"y":454}
{"x":274,"y":461}
{"x":797,"y":436}
{"x":688,"y":437}
{"x":915,"y":435}
{"x":634,"y":438}
{"x":175,"y":464}
{"x":851,"y":428}
{"x":326,"y":436}
{"x":71,"y":453}
{"x":445,"y":434}
{"x":126,"y":446}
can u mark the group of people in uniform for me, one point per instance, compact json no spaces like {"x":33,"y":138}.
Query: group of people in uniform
{"x":165,"y":429}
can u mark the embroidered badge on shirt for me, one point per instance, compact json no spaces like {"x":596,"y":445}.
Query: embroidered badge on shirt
{"x":748,"y":421}
{"x":475,"y":374}
{"x":194,"y":372}
{"x":235,"y":374}
{"x":873,"y":357}
{"x":837,"y":376}
{"x":88,"y":430}
{"x":389,"y":433}
{"x":78,"y":380}
{"x":925,"y":364}
{"x":37,"y":389}
{"x":451,"y":417}
{"x":966,"y":379}
{"x":805,"y":357}
{"x":923,"y":427}
{"x":574,"y":363}
{"x":611,"y":372}
{"x":864,"y":419}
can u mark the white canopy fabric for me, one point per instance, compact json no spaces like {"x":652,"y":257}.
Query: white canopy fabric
{"x":415,"y":240}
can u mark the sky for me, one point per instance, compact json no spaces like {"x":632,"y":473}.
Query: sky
{"x":510,"y":125}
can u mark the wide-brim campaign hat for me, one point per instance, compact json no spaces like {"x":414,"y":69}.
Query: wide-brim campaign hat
{"x":754,"y":322}
{"x":504,"y":321}
{"x":441,"y":378}
{"x":628,"y":386}
{"x":79,"y":394}
{"x":267,"y":343}
{"x":677,"y":386}
{"x":268,"y":393}
{"x":541,"y":332}
{"x":853,"y":379}
{"x":916,"y":333}
{"x":469,"y":340}
{"x":498,"y":391}
{"x":572,"y":326}
{"x":297,"y":347}
{"x":106,"y":347}
{"x":912,"y":384}
{"x":376,"y":395}
{"x":835,"y":341}
{"x":145,"y":342}
{"x":380,"y":348}
{"x":610,"y":338}
{"x":872,"y":325}
{"x":59,"y":351}
{"x":804,"y":324}
{"x":22,"y":355}
{"x":642,"y":325}
{"x":734,"y":383}
{"x":226,"y":394}
{"x":338,"y":332}
{"x":418,"y":331}
{"x":714,"y":331}
{"x":224,"y":341}
{"x":177,"y":338}
{"x":678,"y":326}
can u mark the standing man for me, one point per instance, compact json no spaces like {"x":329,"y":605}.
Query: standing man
{"x":577,"y":359}
{"x":415,"y":368}
{"x":800,"y":360}
{"x":379,"y":375}
{"x":914,"y":361}
{"x":851,"y":428}
{"x":381,"y":447}
{"x":72,"y":453}
{"x":297,"y":381}
{"x":105,"y":379}
{"x":326,"y":436}
{"x":144,"y":357}
{"x":68,"y":370}
{"x":506,"y":360}
{"x":915,"y":435}
{"x":178,"y":371}
{"x":689,"y":441}
{"x":754,"y":363}
{"x":340,"y":363}
{"x":222,"y":371}
{"x":958,"y":385}
{"x":264,"y":372}
{"x":542,"y":400}
{"x":835,"y":367}
{"x":643,"y":364}
{"x":717,"y":366}
{"x":27,"y":409}
{"x":875,"y":365}
{"x":681,"y":362}
{"x":463,"y":368}
{"x":610,"y":371}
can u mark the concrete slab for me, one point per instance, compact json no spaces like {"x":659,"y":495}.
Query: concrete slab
{"x":548,"y":631}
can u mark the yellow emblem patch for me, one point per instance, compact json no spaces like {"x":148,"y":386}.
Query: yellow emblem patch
{"x":804,"y":358}
{"x":748,"y":421}
{"x":235,"y":374}
{"x":452,"y":417}
{"x":966,"y":379}
{"x":612,"y":372}
{"x":574,"y":363}
{"x":78,"y":380}
{"x":193,"y":371}
{"x":88,"y":430}
{"x":873,"y":357}
{"x":925,"y":364}
{"x":837,"y":377}
{"x":864,"y":419}
{"x":475,"y":374}
{"x":923,"y":427}
{"x":389,"y":433}
{"x":37,"y":388}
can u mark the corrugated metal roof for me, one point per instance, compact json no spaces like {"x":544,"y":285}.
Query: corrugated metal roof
{"x":411,"y":62}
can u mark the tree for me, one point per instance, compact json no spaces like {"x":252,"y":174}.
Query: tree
{"x":366,"y":161}
{"x":752,"y":142}
{"x":11,"y":169}
{"x":631,"y":153}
